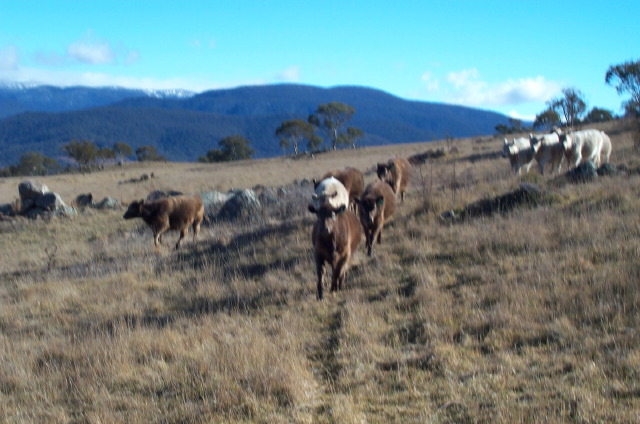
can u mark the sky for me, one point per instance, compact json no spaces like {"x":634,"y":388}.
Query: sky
{"x":506,"y":56}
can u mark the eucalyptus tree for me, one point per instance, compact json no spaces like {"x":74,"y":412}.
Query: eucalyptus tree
{"x":331,"y":117}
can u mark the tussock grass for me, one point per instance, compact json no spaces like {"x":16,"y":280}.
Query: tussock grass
{"x":528,"y":315}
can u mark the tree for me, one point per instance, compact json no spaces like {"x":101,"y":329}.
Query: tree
{"x":331,"y":117}
{"x":351,"y":137}
{"x":122,"y":150}
{"x":236,"y":147}
{"x":293,"y":132}
{"x":148,"y":153}
{"x":104,"y":154}
{"x":598,"y":115}
{"x":625,"y":77}
{"x":547,"y":119}
{"x":213,"y":155}
{"x":570,"y":107}
{"x":514,"y":127}
{"x":32,"y":163}
{"x":83,"y":152}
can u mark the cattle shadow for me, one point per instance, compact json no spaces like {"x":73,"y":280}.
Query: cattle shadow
{"x":229,"y":256}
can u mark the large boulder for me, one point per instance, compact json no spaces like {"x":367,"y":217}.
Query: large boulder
{"x":243,"y":204}
{"x":37,"y":201}
{"x":29,"y":192}
{"x":213,"y":202}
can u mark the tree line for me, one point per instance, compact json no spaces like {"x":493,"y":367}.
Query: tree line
{"x":570,"y":108}
{"x":86,"y":155}
{"x":329,"y":118}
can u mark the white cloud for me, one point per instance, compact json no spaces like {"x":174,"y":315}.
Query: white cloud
{"x":93,"y":53}
{"x":291,"y":74}
{"x":516,"y":115}
{"x":469,"y":89}
{"x":9,"y":58}
{"x":431,"y":83}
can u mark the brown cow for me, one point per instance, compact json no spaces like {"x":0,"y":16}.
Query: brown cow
{"x":376,"y":207}
{"x":169,"y":213}
{"x":335,"y":237}
{"x":351,"y":178}
{"x":396,"y":172}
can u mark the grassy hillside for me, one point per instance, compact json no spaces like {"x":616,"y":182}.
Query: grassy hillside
{"x":532,"y":316}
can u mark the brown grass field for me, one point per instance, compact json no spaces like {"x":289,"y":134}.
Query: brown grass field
{"x":526,"y":317}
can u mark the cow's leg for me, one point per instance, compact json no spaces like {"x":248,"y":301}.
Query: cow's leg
{"x":341,"y":272}
{"x":369,"y":243}
{"x":183,"y":234}
{"x":196,"y":229}
{"x":319,"y":274}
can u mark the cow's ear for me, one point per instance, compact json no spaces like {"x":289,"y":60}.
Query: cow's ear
{"x":312,"y":209}
{"x":380,"y":201}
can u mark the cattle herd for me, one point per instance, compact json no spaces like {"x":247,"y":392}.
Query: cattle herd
{"x":550,"y":149}
{"x":345,"y":209}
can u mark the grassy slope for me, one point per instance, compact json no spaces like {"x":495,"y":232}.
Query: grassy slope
{"x":528,"y":317}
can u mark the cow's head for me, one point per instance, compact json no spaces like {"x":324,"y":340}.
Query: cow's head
{"x":386,"y":172}
{"x":134,"y":210}
{"x":369,"y":208}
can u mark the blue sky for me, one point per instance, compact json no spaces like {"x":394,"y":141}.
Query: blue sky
{"x":506,"y":56}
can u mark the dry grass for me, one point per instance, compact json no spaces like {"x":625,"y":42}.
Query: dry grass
{"x":531,"y":316}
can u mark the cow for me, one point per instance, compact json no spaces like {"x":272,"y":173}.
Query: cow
{"x":330,"y":190}
{"x":169,"y":213}
{"x":376,"y":207}
{"x":520,"y":154}
{"x":351,"y":178}
{"x":548,"y":150}
{"x":396,"y":172}
{"x":336,"y":235}
{"x":606,"y":147}
{"x":583,"y":146}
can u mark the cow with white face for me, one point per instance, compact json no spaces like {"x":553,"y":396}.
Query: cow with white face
{"x":330,"y":191}
{"x":520,"y":154}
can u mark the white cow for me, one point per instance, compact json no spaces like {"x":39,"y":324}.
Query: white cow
{"x":583,"y":146}
{"x":548,"y":149}
{"x":520,"y":154}
{"x":332,"y":191}
{"x":606,"y":147}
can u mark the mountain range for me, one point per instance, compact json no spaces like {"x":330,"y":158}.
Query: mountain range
{"x":183,"y":126}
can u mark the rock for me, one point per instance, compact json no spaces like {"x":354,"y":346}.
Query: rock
{"x":526,"y":195}
{"x":6,"y":209}
{"x":108,"y":203}
{"x":242,"y":204}
{"x":49,"y":201}
{"x":84,"y":200}
{"x":159,"y":194}
{"x":29,"y":192}
{"x":582,"y":173}
{"x":608,"y":169}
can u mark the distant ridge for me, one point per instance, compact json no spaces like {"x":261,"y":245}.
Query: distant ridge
{"x":185,"y":126}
